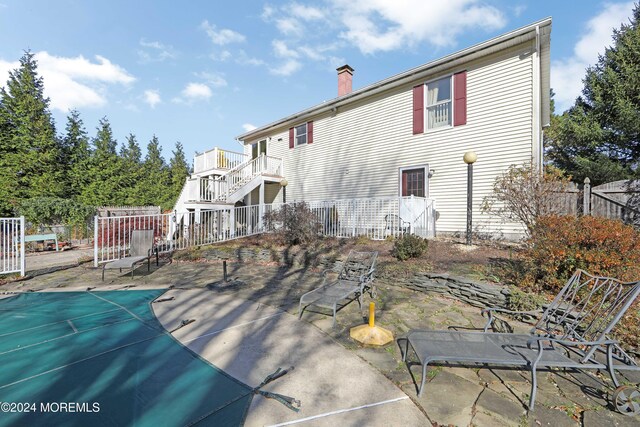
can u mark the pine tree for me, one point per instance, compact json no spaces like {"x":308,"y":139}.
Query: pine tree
{"x":599,"y":136}
{"x":30,"y":152}
{"x":178,"y":169}
{"x":153,"y":186}
{"x":76,"y":155}
{"x":105,"y":170}
{"x":130,"y":155}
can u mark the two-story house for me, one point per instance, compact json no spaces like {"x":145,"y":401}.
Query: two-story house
{"x":405,"y":135}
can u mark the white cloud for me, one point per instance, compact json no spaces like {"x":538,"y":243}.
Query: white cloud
{"x":289,"y":67}
{"x":74,"y":82}
{"x":378,"y":25}
{"x":371,"y":26}
{"x":194,"y":92}
{"x":223,"y":36}
{"x":81,"y":68}
{"x":214,"y":79}
{"x":267,"y":12}
{"x":519,"y":9}
{"x":281,"y":50}
{"x":289,"y":26}
{"x":311,"y":53}
{"x":567,"y":73}
{"x":5,"y":68}
{"x":307,"y":13}
{"x":220,"y":57}
{"x":152,"y":97}
{"x":243,"y":58}
{"x":248,"y":127}
{"x":155,"y":51}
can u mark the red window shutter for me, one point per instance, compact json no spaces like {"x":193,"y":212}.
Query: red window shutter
{"x":291,"y":138}
{"x":460,"y":98}
{"x":404,"y":184}
{"x":309,"y":132}
{"x":418,"y":109}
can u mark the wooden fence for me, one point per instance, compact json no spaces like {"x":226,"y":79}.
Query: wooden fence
{"x":619,"y":199}
{"x":616,"y":200}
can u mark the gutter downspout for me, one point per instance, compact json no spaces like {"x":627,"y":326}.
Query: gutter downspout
{"x":537,"y":149}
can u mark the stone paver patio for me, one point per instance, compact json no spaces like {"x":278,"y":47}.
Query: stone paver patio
{"x":453,"y":395}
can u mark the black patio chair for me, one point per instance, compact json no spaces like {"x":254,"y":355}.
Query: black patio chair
{"x":355,"y":278}
{"x":141,"y":248}
{"x":573,"y":332}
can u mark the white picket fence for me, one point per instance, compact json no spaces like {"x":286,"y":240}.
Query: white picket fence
{"x":12,"y":245}
{"x":374,"y":218}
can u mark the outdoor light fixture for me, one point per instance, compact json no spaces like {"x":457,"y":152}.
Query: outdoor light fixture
{"x":431,"y":173}
{"x":469,"y":158}
{"x":283,"y":184}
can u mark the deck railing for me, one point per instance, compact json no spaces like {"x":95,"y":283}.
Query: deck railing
{"x":373,"y":218}
{"x":218,"y":159}
{"x":244,"y":173}
{"x":219,"y":188}
{"x":12,"y":245}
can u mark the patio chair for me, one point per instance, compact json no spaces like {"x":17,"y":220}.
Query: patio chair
{"x":141,"y":247}
{"x":355,"y":278}
{"x":571,"y":333}
{"x":395,"y":223}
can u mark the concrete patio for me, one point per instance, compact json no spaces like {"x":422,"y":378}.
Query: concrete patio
{"x":453,"y":396}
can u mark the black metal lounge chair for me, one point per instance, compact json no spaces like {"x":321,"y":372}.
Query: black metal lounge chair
{"x":355,"y":278}
{"x":571,"y":333}
{"x":141,"y":248}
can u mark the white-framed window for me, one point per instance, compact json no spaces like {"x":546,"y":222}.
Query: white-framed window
{"x":414,"y":181}
{"x":258,"y":148}
{"x":301,"y":134}
{"x":438,"y":103}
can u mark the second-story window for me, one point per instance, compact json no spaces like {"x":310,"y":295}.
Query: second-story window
{"x":439,"y":103}
{"x":301,"y":134}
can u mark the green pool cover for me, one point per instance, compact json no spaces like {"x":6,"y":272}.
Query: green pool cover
{"x":102,"y":358}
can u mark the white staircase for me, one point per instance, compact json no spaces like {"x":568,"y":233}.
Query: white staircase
{"x":232,"y":185}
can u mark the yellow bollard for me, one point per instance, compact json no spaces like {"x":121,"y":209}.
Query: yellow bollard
{"x":372,"y":314}
{"x":371,"y":334}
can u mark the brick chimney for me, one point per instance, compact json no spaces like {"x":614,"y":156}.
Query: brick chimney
{"x":345,"y":75}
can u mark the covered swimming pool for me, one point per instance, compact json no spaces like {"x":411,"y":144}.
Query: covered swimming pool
{"x":102,"y":358}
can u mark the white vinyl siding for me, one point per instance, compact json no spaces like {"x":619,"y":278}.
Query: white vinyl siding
{"x":358,"y":151}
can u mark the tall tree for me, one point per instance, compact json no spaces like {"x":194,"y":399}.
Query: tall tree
{"x":30,"y":152}
{"x":76,"y":155}
{"x":178,"y":170}
{"x":105,"y":184}
{"x":130,"y":155}
{"x":153,"y":186}
{"x":599,"y":136}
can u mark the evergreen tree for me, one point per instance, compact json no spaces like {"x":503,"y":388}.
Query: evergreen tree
{"x":30,"y":152}
{"x":178,"y":170}
{"x":130,"y":156}
{"x":599,"y":136}
{"x":153,"y":186}
{"x":76,"y":155}
{"x":105,"y":170}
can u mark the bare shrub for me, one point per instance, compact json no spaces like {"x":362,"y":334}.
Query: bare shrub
{"x":294,"y":224}
{"x":524,"y":194}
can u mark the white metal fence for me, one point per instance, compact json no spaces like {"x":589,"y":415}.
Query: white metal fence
{"x":373,"y":218}
{"x":12,"y":245}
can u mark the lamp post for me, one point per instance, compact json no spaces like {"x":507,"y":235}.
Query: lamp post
{"x":283,"y":184}
{"x":469,"y":158}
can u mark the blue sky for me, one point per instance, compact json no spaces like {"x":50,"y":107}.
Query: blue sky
{"x":202,"y":72}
